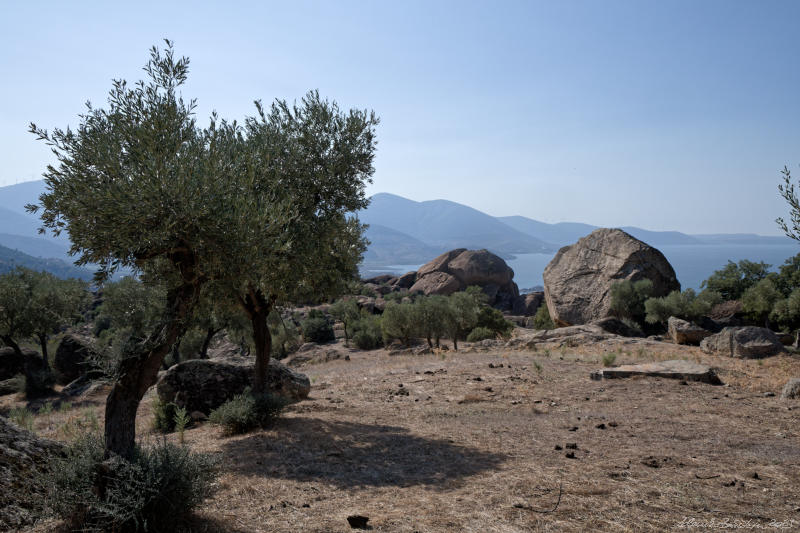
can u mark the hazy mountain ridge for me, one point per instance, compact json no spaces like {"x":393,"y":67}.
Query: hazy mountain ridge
{"x":11,"y":259}
{"x":401,"y":231}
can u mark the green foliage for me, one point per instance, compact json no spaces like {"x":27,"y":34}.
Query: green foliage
{"x":398,"y":322}
{"x":480,"y":333}
{"x":609,"y":359}
{"x":734,"y":279}
{"x":164,"y":416}
{"x":247,"y":411}
{"x":759,"y":300}
{"x":542,"y":319}
{"x":153,"y":492}
{"x":182,"y":421}
{"x":285,"y":335}
{"x":21,"y":417}
{"x":430,"y":317}
{"x":367,"y":332}
{"x":317,"y":329}
{"x":346,"y":311}
{"x":462,"y":315}
{"x":493,"y":320}
{"x":687,"y":305}
{"x":477,"y":294}
{"x":628,"y":298}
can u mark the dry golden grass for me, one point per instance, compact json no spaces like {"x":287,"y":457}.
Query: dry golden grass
{"x":473,"y":448}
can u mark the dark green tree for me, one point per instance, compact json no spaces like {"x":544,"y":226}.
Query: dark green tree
{"x":346,"y":311}
{"x":733,"y":279}
{"x":259,"y":208}
{"x":628,"y":298}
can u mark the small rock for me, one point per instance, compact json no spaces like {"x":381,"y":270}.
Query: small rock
{"x":791,"y":390}
{"x":559,"y":447}
{"x":572,"y":445}
{"x":570,"y":455}
{"x":574,"y":428}
{"x":346,"y":357}
{"x":613,"y":424}
{"x":357,"y":521}
{"x":600,"y":426}
{"x":755,"y":475}
{"x":769,"y":394}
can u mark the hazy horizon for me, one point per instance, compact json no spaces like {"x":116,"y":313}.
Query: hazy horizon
{"x":666,"y":116}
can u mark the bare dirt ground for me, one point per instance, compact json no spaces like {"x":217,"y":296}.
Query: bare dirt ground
{"x":446,"y":442}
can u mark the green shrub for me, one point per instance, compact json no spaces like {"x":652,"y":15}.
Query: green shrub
{"x":181,"y":421}
{"x":493,"y":319}
{"x":628,"y":298}
{"x":317,"y":329}
{"x":686,"y":305}
{"x":247,"y":411}
{"x":398,"y":322}
{"x":367,"y":333}
{"x":542,"y":319}
{"x":164,"y":416}
{"x":153,"y":492}
{"x":609,"y":359}
{"x":480,"y":333}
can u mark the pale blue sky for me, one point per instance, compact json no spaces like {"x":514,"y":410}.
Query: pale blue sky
{"x":659,"y":114}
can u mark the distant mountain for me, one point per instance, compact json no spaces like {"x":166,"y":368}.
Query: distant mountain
{"x":744,"y":238}
{"x":36,"y":246}
{"x":11,"y":259}
{"x":391,"y":247}
{"x":447,"y":225}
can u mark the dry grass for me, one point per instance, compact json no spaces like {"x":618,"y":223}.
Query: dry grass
{"x":473,"y":448}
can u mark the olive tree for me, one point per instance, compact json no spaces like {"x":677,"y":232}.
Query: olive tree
{"x":250,"y":207}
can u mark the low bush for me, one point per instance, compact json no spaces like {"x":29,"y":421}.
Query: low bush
{"x":480,"y":333}
{"x":164,"y":416}
{"x":493,"y":319}
{"x":367,"y":332}
{"x":247,"y":411}
{"x":609,"y":359}
{"x":153,"y":492}
{"x":542,"y":320}
{"x":21,"y":417}
{"x":317,"y":329}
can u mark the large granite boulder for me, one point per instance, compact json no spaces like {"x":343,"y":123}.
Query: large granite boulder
{"x":458,"y":269}
{"x":577,"y":282}
{"x":22,"y":454}
{"x":205,"y":384}
{"x":72,"y":359}
{"x":684,"y":332}
{"x":747,"y":342}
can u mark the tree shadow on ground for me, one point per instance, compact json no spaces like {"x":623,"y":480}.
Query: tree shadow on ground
{"x":353,"y":455}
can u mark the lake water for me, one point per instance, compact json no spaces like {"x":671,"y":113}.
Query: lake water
{"x":692,"y":263}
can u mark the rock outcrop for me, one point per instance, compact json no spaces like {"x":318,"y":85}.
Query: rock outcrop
{"x":12,"y":364}
{"x":577,"y":282}
{"x":205,"y":384}
{"x":747,"y":342}
{"x":684,"y":332}
{"x":528,"y":304}
{"x":72,"y":358}
{"x":458,"y":269}
{"x":675,"y":369}
{"x":21,"y":454}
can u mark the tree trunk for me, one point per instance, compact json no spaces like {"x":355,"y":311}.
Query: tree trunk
{"x":13,"y":345}
{"x":43,"y":343}
{"x":138,"y":372}
{"x":210,"y":333}
{"x":257,"y":306}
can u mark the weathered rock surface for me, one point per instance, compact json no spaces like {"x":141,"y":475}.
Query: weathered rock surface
{"x":577,"y":282}
{"x":72,"y":358}
{"x":748,"y":342}
{"x":684,"y":332}
{"x":458,"y":269}
{"x":21,"y":454}
{"x":576,"y":335}
{"x":791,"y":391}
{"x":675,"y":369}
{"x":528,"y":304}
{"x":407,"y":280}
{"x":205,"y":384}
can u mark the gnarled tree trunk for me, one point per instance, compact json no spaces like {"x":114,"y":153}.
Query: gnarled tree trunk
{"x":257,"y":306}
{"x":139,"y":372}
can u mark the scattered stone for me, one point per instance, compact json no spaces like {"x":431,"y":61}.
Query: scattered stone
{"x":600,"y":426}
{"x":572,"y":445}
{"x":684,"y":332}
{"x":748,"y":342}
{"x":357,"y":521}
{"x":574,"y":428}
{"x":577,"y":282}
{"x":570,"y":455}
{"x":674,"y":369}
{"x":558,"y":447}
{"x":791,"y":390}
{"x":769,"y":394}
